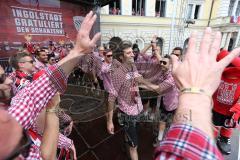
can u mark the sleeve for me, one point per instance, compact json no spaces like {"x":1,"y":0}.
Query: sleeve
{"x":64,"y":118}
{"x":183,"y":141}
{"x":64,"y":142}
{"x":116,"y":85}
{"x":29,"y":101}
{"x":167,"y":84}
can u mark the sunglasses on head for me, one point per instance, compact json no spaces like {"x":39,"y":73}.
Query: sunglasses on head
{"x":23,"y":149}
{"x":109,"y":56}
{"x":3,"y":78}
{"x":163,"y":62}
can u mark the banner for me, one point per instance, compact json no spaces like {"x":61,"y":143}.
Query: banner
{"x":44,"y":20}
{"x":37,"y":22}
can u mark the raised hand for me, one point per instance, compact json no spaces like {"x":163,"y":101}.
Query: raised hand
{"x":83,"y":42}
{"x":201,"y":69}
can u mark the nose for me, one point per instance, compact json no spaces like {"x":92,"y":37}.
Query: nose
{"x":132,"y":54}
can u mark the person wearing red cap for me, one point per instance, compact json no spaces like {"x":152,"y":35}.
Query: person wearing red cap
{"x":226,"y":109}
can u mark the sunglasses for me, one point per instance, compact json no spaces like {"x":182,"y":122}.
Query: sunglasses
{"x":3,"y":78}
{"x":23,"y":149}
{"x":163,"y":62}
{"x":31,"y":61}
{"x":109,"y":56}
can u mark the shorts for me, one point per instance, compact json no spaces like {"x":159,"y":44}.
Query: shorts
{"x":131,"y":126}
{"x":148,"y":96}
{"x":219,"y":119}
{"x":164,"y":115}
{"x":152,"y":102}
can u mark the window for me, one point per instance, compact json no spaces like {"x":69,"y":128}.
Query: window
{"x":231,"y":7}
{"x":114,"y":7}
{"x":197,"y":10}
{"x":237,"y":13}
{"x":160,"y":44}
{"x":189,"y":13}
{"x":193,"y":11}
{"x":160,"y":8}
{"x":230,"y":46}
{"x":138,"y":7}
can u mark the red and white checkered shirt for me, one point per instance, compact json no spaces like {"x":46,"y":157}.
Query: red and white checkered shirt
{"x":125,"y":89}
{"x":183,"y":141}
{"x":64,"y":142}
{"x":154,"y":73}
{"x":29,"y":101}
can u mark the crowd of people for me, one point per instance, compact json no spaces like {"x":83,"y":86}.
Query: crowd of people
{"x":32,"y":126}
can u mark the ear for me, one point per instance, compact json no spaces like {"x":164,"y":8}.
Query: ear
{"x":121,"y":57}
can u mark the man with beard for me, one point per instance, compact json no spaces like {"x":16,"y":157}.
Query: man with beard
{"x":125,"y":89}
{"x":168,"y":99}
{"x":41,"y":59}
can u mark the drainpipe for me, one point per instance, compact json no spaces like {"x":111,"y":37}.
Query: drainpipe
{"x":210,"y":15}
{"x":172,"y":26}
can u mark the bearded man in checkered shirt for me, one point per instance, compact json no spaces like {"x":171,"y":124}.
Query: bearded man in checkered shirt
{"x":125,"y":78}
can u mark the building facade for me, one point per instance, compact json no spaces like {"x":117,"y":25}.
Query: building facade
{"x":171,"y":21}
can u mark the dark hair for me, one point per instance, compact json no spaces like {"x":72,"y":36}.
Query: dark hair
{"x":14,"y":60}
{"x":42,"y":49}
{"x":50,"y":56}
{"x":135,"y":49}
{"x":178,"y":48}
{"x":167,"y":56}
{"x":135,"y":45}
{"x":106,"y":51}
{"x":124,"y":45}
{"x":114,"y":45}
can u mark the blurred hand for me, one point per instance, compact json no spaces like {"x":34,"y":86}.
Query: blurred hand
{"x":236,"y":112}
{"x":110,"y":127}
{"x":154,"y":44}
{"x":68,"y":129}
{"x":74,"y":152}
{"x":83,"y":42}
{"x":201,"y":69}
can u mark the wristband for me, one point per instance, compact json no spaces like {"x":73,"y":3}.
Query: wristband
{"x":195,"y":90}
{"x":54,"y":110}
